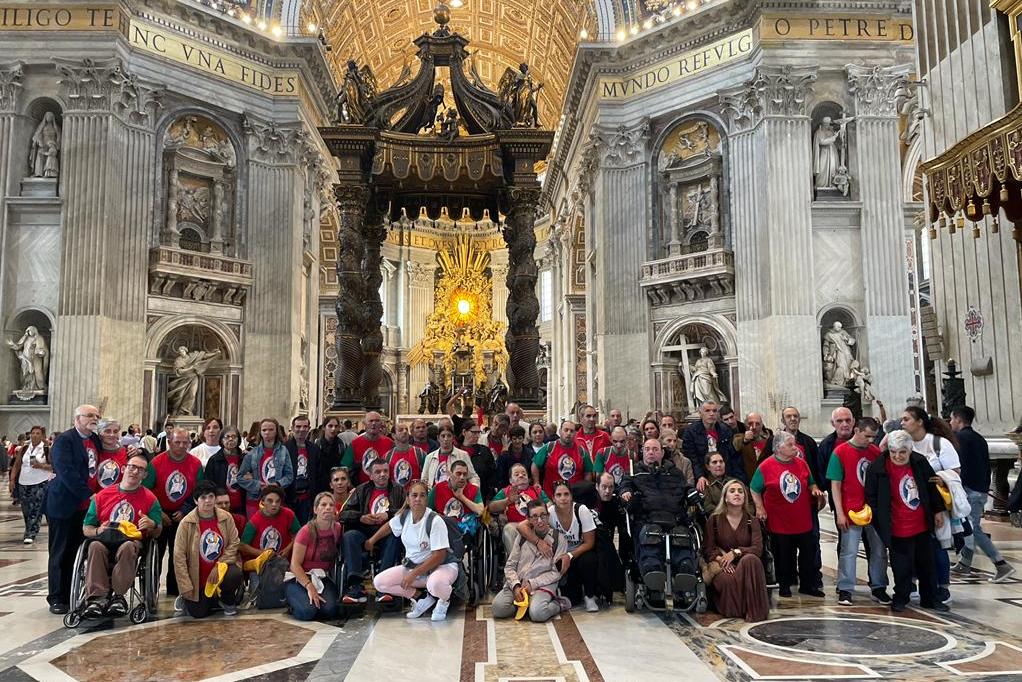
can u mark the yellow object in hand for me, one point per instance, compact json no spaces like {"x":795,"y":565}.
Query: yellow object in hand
{"x":214,"y":579}
{"x":945,"y":494}
{"x":257,"y":563}
{"x":863,"y":517}
{"x":129,"y":530}
{"x":523,"y":606}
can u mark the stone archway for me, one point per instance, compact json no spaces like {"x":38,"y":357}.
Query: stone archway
{"x":677,"y":349}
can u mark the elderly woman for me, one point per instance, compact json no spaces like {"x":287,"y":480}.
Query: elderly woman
{"x":734,"y":548}
{"x":223,"y":466}
{"x":906,"y":507}
{"x":784,"y":492}
{"x":30,"y":476}
{"x":429,"y":570}
{"x":207,"y":537}
{"x":312,"y":595}
{"x":111,"y":458}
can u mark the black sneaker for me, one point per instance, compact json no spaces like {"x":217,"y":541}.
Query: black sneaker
{"x":813,"y":592}
{"x":898,"y":608}
{"x":117,"y":607}
{"x":943,"y":595}
{"x":844,"y":598}
{"x":784,"y":591}
{"x":59,"y":609}
{"x":942,"y":608}
{"x":94,"y":609}
{"x":880,"y":596}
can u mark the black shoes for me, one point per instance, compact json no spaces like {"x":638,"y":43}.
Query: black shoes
{"x":59,"y":609}
{"x":813,"y":592}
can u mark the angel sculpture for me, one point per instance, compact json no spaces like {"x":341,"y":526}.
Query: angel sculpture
{"x":356,"y":95}
{"x":433,"y":104}
{"x":449,"y":125}
{"x":517,"y":91}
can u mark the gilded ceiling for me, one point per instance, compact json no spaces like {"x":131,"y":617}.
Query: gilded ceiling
{"x":504,"y":33}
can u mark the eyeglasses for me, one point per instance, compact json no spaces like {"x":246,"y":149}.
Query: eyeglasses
{"x":539,"y":517}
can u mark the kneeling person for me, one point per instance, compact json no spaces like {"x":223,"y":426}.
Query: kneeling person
{"x":127,"y":501}
{"x":528,"y":572}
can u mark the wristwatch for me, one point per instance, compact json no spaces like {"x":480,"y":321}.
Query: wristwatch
{"x":738,"y":552}
{"x":571,"y":556}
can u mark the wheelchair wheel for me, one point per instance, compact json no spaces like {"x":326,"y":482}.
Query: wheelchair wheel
{"x":629,"y":592}
{"x":72,"y":619}
{"x":73,"y":616}
{"x":701,"y":602}
{"x":139,"y":614}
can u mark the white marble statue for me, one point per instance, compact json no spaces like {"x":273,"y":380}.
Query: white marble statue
{"x":826,"y":142}
{"x":837,"y":356}
{"x":44,"y":156}
{"x":863,"y":380}
{"x":704,"y":380}
{"x":34,"y":357}
{"x":184,"y":387}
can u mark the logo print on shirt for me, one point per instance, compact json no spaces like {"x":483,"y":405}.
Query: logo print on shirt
{"x":566,"y":467}
{"x":791,"y":487}
{"x":92,"y":463}
{"x":454,"y":508}
{"x":270,"y":539}
{"x":109,"y":472}
{"x":122,"y":512}
{"x":618,"y":472}
{"x":302,"y":470}
{"x":269,"y":472}
{"x":380,"y":504}
{"x":232,"y":476}
{"x":210,"y":545}
{"x":909,"y":492}
{"x":402,"y":472}
{"x":176,"y":487}
{"x":367,"y":459}
{"x":860,"y":470}
{"x":523,"y":505}
{"x":441,"y":472}
{"x":711,"y":444}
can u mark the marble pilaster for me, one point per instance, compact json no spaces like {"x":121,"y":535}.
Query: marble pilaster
{"x":888,"y":325}
{"x":420,"y":277}
{"x":498,"y":266}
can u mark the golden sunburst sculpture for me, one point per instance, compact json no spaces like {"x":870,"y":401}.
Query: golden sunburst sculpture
{"x":462,"y":318}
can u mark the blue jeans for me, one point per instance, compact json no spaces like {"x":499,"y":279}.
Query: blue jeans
{"x":978,"y":538}
{"x":298,"y":601}
{"x":941,"y":563}
{"x":354,"y":553}
{"x":877,"y":562}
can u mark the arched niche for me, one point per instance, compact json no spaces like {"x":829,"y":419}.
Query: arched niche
{"x":26,"y":372}
{"x":678,"y":349}
{"x":42,"y":147}
{"x":850,"y":324}
{"x":689,"y":163}
{"x":831,"y":149}
{"x":199,"y":185}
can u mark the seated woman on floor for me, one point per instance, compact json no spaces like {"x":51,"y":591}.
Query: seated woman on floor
{"x":733,"y":551}
{"x":312,"y":594}
{"x":429,"y":570}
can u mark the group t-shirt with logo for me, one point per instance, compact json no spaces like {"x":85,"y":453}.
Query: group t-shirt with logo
{"x":785,"y":487}
{"x":609,"y":461}
{"x":174,"y":480}
{"x":233,"y":489}
{"x":442,"y":500}
{"x":405,"y":465}
{"x":301,"y":482}
{"x":848,"y":464}
{"x":271,"y":532}
{"x":379,"y":501}
{"x":361,"y":453}
{"x":559,"y":463}
{"x":211,"y":546}
{"x":106,"y":467}
{"x":519,"y":511}
{"x":593,"y":442}
{"x":267,"y":467}
{"x":908,"y":518}
{"x":112,"y":505}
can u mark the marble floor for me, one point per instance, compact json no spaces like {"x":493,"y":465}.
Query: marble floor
{"x":804,"y":639}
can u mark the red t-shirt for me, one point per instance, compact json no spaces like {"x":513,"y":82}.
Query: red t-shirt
{"x":114,"y":504}
{"x":854,"y":462}
{"x":267,"y":469}
{"x":378,"y":501}
{"x":404,"y":466}
{"x":239,"y":522}
{"x":518,"y":512}
{"x":270,"y":532}
{"x":106,"y":467}
{"x":614,"y":464}
{"x":711,"y":440}
{"x":233,"y":489}
{"x":365,"y":451}
{"x":786,"y":495}
{"x":759,"y":446}
{"x":595,"y":441}
{"x":211,"y":547}
{"x":90,"y":451}
{"x":563,"y":464}
{"x":496,"y":446}
{"x":323,"y":553}
{"x":175,"y":480}
{"x":908,"y":518}
{"x":302,"y":472}
{"x":444,"y":501}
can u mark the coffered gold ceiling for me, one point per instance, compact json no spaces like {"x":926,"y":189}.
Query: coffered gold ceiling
{"x":543,"y":33}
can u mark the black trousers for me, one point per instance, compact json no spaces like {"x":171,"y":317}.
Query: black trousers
{"x":165,"y":546}
{"x":64,"y":539}
{"x":913,"y":556}
{"x":581,"y":578}
{"x":229,"y":594}
{"x":791,"y":551}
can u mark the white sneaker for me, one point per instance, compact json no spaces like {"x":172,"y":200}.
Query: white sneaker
{"x":420,"y":606}
{"x":229,"y":609}
{"x":179,"y":605}
{"x":591,"y":605}
{"x":27,"y":541}
{"x":440,"y":612}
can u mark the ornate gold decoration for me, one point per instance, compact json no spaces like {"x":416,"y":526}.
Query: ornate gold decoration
{"x":462,"y":319}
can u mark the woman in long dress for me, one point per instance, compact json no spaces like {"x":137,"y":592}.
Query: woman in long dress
{"x":734,"y":542}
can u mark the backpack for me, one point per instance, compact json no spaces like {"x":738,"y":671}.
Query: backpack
{"x":455,"y":538}
{"x":270,"y":592}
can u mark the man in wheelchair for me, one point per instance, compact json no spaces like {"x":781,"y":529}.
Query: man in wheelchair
{"x":127,"y":502}
{"x":656,"y":496}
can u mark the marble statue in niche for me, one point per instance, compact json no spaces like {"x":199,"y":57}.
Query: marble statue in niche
{"x":189,"y":366}
{"x":34,"y":357}
{"x":837,"y":356}
{"x":830,"y":149}
{"x":44,"y":155}
{"x":704,"y":380}
{"x":861,"y":379}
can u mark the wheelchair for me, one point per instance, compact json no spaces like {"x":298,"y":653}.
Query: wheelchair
{"x":665,"y":587}
{"x":480,"y":562}
{"x":141,"y":596}
{"x":371,"y":564}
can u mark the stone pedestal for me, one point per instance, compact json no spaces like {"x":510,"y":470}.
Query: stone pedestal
{"x":39,"y":187}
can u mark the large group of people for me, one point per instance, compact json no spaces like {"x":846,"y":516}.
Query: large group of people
{"x":309,"y":518}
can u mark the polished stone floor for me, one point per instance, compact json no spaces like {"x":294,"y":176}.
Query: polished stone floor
{"x":805,"y":639}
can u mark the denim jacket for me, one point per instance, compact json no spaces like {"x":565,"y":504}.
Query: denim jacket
{"x":250,"y":465}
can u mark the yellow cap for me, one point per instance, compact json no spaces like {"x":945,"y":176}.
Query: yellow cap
{"x":523,"y":606}
{"x":129,"y":530}
{"x":863,"y":517}
{"x":257,"y":563}
{"x":216,"y":576}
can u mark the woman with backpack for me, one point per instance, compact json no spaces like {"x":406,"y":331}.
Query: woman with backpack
{"x":312,"y":595}
{"x":30,"y":475}
{"x":430,"y":569}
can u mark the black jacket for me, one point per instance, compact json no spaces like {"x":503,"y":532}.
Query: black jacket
{"x":878,"y":492}
{"x":358,"y":505}
{"x":308,"y":482}
{"x":812,"y":453}
{"x":974,"y":454}
{"x":506,"y":460}
{"x":330,"y":453}
{"x":485,"y":465}
{"x":693,"y":446}
{"x":659,"y":492}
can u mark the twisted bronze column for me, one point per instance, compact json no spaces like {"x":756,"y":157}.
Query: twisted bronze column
{"x":522,"y":338}
{"x":351,"y":204}
{"x":373,"y":234}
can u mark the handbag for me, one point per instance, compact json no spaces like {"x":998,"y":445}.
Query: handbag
{"x":710,"y":570}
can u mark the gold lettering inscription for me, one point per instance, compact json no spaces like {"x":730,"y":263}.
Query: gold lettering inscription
{"x":40,"y":17}
{"x":836,"y":27}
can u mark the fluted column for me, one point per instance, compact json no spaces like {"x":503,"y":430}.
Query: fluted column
{"x":618,"y":329}
{"x":772,"y":204}
{"x":107,"y":183}
{"x":888,"y":326}
{"x":420,"y":277}
{"x":10,"y":89}
{"x":522,"y":338}
{"x":498,"y":268}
